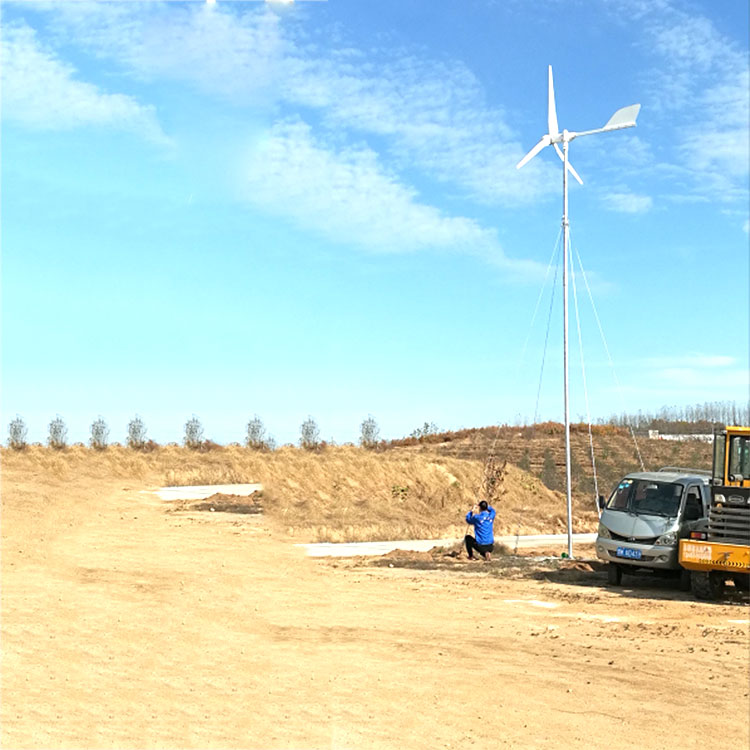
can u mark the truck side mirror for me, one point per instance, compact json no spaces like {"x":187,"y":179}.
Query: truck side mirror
{"x":600,"y":502}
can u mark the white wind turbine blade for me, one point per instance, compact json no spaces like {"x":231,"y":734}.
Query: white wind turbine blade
{"x":551,"y":111}
{"x":534,"y":151}
{"x":570,"y":166}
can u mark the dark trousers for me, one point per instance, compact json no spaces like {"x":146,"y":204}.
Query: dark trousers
{"x":471,"y":545}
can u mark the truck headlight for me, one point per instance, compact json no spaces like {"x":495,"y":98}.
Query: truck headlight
{"x":667,"y":539}
{"x":719,"y":498}
{"x":603,"y":532}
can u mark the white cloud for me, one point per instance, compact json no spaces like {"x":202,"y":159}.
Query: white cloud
{"x":628,"y":203}
{"x":694,"y":376}
{"x":718,"y":142}
{"x":690,"y":41}
{"x":746,"y":226}
{"x":349,"y":197}
{"x":700,"y":92}
{"x":691,"y":377}
{"x":431,"y":115}
{"x":434,"y":116}
{"x":41,"y":91}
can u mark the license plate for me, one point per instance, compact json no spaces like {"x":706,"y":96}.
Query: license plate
{"x":631,"y":554}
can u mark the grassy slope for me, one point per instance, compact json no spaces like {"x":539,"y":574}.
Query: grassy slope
{"x":349,"y":494}
{"x":614,"y":450}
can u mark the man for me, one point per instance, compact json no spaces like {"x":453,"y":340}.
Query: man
{"x":481,"y":517}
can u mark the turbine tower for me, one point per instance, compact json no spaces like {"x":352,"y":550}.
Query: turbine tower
{"x":623,"y":118}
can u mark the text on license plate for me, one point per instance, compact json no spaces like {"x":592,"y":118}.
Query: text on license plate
{"x":633,"y":554}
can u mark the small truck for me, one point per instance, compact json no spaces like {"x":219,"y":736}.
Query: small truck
{"x":718,"y":549}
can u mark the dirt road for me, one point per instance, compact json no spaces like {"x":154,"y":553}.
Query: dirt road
{"x":125,"y":626}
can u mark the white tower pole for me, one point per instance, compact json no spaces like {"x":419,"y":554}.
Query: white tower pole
{"x":566,"y":253}
{"x":624,"y":118}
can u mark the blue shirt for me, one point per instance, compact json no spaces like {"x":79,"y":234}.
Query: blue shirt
{"x":482,"y":523}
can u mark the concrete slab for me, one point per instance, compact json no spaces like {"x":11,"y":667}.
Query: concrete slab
{"x":200,"y":492}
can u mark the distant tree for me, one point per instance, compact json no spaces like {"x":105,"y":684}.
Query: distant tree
{"x":369,"y":432}
{"x":525,"y":461}
{"x":309,"y":434}
{"x":428,"y":428}
{"x":58,"y":433}
{"x":193,"y":433}
{"x":549,"y":471}
{"x":136,"y":433}
{"x":256,"y":434}
{"x":99,"y":434}
{"x":17,"y":434}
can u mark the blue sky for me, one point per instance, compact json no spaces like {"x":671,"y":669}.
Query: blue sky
{"x":239,"y":208}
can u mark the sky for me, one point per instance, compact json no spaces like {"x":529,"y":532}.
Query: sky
{"x":230,"y":209}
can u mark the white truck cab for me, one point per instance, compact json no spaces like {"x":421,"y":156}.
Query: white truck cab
{"x":645,"y":517}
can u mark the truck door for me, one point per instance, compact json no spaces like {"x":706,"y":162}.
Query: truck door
{"x":693,"y":509}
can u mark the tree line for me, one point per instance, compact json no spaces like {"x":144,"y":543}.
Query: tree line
{"x":693,"y":419}
{"x":256,"y":436}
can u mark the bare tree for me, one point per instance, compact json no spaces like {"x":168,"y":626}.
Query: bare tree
{"x":58,"y":433}
{"x":136,"y":433}
{"x":256,"y":434}
{"x":309,"y":434}
{"x":369,"y":432}
{"x":99,"y":434}
{"x":193,"y":433}
{"x":17,"y":434}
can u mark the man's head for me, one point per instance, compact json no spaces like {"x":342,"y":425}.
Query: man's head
{"x":483,"y":505}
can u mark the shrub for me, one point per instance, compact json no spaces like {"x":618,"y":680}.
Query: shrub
{"x":99,"y":434}
{"x":193,"y":433}
{"x":58,"y":434}
{"x":17,"y":434}
{"x":309,"y":434}
{"x":549,"y":471}
{"x":369,"y":432}
{"x":428,"y":428}
{"x":136,"y":433}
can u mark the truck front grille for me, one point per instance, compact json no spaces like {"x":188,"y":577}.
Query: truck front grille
{"x":729,"y":523}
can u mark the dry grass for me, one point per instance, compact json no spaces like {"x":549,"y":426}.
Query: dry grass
{"x":340,"y":494}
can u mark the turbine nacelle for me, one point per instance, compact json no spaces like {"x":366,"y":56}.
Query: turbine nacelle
{"x":623,"y":118}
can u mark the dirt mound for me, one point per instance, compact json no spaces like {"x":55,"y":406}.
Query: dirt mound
{"x":342,"y":494}
{"x":525,"y":506}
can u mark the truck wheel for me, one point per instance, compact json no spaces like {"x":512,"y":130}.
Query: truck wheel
{"x":684,"y":581}
{"x":707,"y":584}
{"x":742,"y":581}
{"x":614,"y":574}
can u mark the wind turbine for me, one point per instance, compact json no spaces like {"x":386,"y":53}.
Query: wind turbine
{"x":623,"y":118}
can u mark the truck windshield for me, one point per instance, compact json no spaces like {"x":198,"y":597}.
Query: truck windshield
{"x":644,"y":497}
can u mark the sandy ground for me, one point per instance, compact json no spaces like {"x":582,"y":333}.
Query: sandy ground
{"x":127,"y":626}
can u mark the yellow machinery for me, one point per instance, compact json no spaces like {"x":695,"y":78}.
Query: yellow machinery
{"x":720,"y":549}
